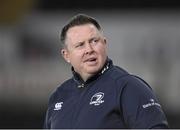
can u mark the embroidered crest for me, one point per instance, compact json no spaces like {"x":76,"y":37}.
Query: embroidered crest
{"x":97,"y":99}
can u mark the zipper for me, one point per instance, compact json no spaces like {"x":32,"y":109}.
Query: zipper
{"x":84,"y":88}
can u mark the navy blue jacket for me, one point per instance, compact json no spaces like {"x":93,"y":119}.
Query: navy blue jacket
{"x":111,"y":99}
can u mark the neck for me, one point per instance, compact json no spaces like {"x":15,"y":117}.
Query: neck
{"x":86,"y":77}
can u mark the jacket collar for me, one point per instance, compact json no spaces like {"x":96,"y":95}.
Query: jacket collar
{"x":77,"y":78}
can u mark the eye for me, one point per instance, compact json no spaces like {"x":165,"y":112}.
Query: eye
{"x":94,"y":40}
{"x":79,"y":45}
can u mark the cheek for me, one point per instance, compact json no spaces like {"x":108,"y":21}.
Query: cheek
{"x":102,"y":50}
{"x":76,"y":56}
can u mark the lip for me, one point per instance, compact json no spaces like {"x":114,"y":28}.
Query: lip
{"x":91,"y":59}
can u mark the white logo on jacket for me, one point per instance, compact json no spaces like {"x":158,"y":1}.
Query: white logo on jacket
{"x":58,"y":106}
{"x":96,"y":99}
{"x":151,"y":103}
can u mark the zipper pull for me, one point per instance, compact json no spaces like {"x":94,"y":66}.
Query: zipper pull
{"x":81,"y":86}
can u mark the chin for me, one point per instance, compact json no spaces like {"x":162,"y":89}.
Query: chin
{"x":93,"y":70}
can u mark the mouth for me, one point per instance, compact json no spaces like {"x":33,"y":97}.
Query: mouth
{"x":91,"y":60}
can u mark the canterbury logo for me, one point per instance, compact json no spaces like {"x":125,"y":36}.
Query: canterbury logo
{"x":58,"y":106}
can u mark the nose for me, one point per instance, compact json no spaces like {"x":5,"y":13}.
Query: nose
{"x":88,"y":49}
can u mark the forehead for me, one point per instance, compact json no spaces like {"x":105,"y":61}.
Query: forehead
{"x":81,"y":32}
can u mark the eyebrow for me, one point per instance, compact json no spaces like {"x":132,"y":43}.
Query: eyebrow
{"x":91,"y":39}
{"x":77,"y":43}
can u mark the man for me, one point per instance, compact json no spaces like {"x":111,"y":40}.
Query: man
{"x":99,"y":95}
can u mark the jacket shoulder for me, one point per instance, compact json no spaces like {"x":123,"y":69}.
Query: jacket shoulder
{"x":117,"y":72}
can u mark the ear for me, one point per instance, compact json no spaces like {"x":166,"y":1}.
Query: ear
{"x":105,"y":41}
{"x":65,"y":54}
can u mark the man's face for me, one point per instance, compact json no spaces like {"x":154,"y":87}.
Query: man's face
{"x":86,"y":49}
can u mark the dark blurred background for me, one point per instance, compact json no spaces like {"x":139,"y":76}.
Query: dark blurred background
{"x":143,"y":37}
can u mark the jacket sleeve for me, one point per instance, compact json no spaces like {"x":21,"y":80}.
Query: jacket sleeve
{"x":140,"y":107}
{"x":46,"y":124}
{"x":47,"y":120}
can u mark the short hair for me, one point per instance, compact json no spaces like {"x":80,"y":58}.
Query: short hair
{"x":79,"y":19}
